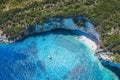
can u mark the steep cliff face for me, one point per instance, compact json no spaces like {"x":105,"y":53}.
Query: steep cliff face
{"x":51,"y":24}
{"x":54,"y":23}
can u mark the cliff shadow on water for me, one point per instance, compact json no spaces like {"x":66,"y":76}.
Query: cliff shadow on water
{"x":53,"y":54}
{"x":115,"y":68}
{"x":87,"y":29}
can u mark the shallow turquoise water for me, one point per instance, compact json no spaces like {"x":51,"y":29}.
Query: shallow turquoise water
{"x":54,"y":55}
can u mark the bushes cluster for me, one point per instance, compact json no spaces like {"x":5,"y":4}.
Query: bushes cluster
{"x":105,"y":14}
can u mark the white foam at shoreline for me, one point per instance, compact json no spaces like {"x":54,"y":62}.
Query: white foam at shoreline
{"x":89,"y":42}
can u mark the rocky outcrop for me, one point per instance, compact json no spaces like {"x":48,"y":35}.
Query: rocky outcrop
{"x":54,"y":23}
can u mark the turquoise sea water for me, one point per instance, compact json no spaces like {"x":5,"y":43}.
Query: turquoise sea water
{"x":53,"y":55}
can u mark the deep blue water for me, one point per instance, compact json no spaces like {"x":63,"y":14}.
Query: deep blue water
{"x":53,"y":55}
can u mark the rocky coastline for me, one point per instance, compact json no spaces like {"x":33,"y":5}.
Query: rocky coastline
{"x":89,"y":34}
{"x":54,"y":23}
{"x":86,"y":33}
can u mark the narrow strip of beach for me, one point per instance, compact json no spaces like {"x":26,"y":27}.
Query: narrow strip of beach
{"x":88,"y":42}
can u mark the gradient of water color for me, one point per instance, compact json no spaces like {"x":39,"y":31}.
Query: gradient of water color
{"x":53,"y":55}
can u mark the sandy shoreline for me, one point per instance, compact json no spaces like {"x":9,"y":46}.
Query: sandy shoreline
{"x":89,"y":42}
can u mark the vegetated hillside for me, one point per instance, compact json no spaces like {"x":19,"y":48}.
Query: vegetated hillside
{"x":15,"y":15}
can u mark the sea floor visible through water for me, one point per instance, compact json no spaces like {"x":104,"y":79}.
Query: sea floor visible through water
{"x":53,"y":55}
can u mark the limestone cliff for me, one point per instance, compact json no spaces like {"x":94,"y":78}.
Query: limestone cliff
{"x":66,"y":23}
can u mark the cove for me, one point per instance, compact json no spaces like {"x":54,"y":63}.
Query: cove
{"x":54,"y":55}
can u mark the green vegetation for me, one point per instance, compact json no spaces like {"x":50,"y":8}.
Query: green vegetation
{"x":105,"y":14}
{"x":116,"y":57}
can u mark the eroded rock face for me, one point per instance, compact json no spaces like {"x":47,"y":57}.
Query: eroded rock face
{"x":65,"y":23}
{"x":51,"y":24}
